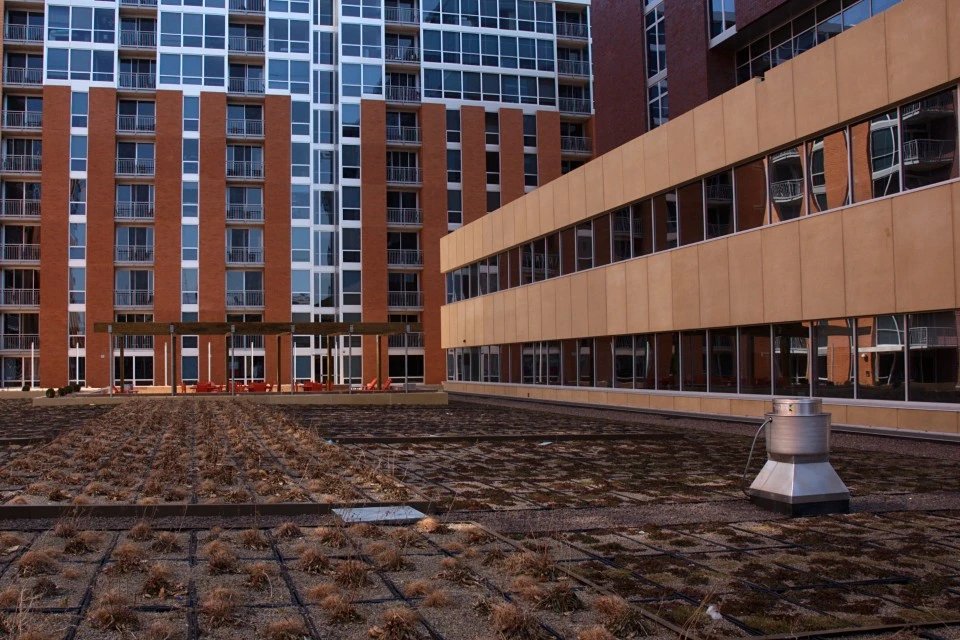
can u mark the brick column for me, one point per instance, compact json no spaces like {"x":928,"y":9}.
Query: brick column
{"x":473,"y":162}
{"x":373,"y":235}
{"x":276,"y":229}
{"x":548,"y":146}
{"x":213,"y":235}
{"x":433,"y":123}
{"x":511,"y":155}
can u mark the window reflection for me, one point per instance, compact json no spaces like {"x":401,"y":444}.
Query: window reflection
{"x":751,"y":195}
{"x":694,"y":366}
{"x":929,"y":140}
{"x":933,"y":357}
{"x":827,"y":162}
{"x":791,"y":362}
{"x":834,"y":359}
{"x":623,"y":362}
{"x":876,"y":158}
{"x":718,"y":192}
{"x":723,"y":360}
{"x":644,"y":371}
{"x":880,"y":345}
{"x":691,"y":213}
{"x":584,"y":246}
{"x":643,"y":228}
{"x":755,"y":360}
{"x":665,"y":212}
{"x":786,"y":184}
{"x":668,"y":361}
{"x":622,"y":235}
{"x":585,"y":362}
{"x":603,"y":365}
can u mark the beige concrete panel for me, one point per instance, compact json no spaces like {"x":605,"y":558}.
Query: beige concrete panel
{"x":499,"y":322}
{"x":922,"y":241}
{"x":872,"y":416}
{"x":470,"y":317}
{"x":613,"y":179}
{"x":740,"y":122}
{"x":953,"y":38}
{"x":461,"y":324}
{"x":776,"y":121}
{"x":518,"y":213}
{"x":637,"y":296}
{"x":445,"y":327}
{"x":522,"y":311}
{"x":682,"y":156}
{"x":593,"y":182}
{"x":708,"y":128}
{"x":548,"y":309}
{"x":781,"y":273}
{"x":490,"y":321}
{"x":718,"y":406}
{"x":639,"y":400}
{"x":862,"y":69}
{"x":534,"y":312}
{"x":868,"y":259}
{"x":616,"y":288}
{"x":531,"y":202}
{"x":460,"y":255}
{"x":579,"y":312}
{"x":685,"y":281}
{"x":687,"y":403}
{"x":815,"y":89}
{"x":561,"y":202}
{"x":509,"y":316}
{"x":596,"y":302}
{"x":821,"y":258}
{"x":939,"y":421}
{"x":547,"y":223}
{"x":444,"y":257}
{"x":838,"y":412}
{"x":749,"y":407}
{"x":745,"y":254}
{"x":564,"y":308}
{"x":916,"y":47}
{"x":486,"y":228}
{"x":508,"y":224}
{"x":956,"y":236}
{"x":656,"y":160}
{"x":664,"y":403}
{"x":714,"y":265}
{"x":660,"y":288}
{"x":634,"y":180}
{"x":577,"y":196}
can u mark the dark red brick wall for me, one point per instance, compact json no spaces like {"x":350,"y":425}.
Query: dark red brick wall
{"x":213,"y":236}
{"x":373,"y":231}
{"x":433,"y":198}
{"x":751,"y":10}
{"x":511,"y":155}
{"x":276,"y":232}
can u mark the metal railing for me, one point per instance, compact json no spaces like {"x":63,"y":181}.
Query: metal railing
{"x":138,"y":342}
{"x":786,"y":190}
{"x":138,"y":3}
{"x":401,"y":15}
{"x":573,"y":67}
{"x":135,"y":167}
{"x":21,"y":252}
{"x":575,"y":144}
{"x":133,"y":210}
{"x":133,"y":253}
{"x":405,"y":299}
{"x":133,"y":298}
{"x":923,"y":337}
{"x":245,"y":212}
{"x":940,"y":103}
{"x":247,"y":6}
{"x":246,"y":86}
{"x":409,"y":135}
{"x":244,"y":298}
{"x":244,"y":169}
{"x":928,"y":151}
{"x":22,"y":119}
{"x":401,"y":53}
{"x":574,"y":105}
{"x":20,"y":297}
{"x":136,"y":124}
{"x":719,"y":192}
{"x":138,"y":39}
{"x":785,"y":154}
{"x":20,"y":208}
{"x":403,"y":175}
{"x":247,"y":342}
{"x":404,"y":217}
{"x":19,"y":76}
{"x":245,"y":255}
{"x":22,"y":164}
{"x":246,"y":44}
{"x":402,"y":94}
{"x":20,"y":342}
{"x":242,"y":128}
{"x":23,"y":33}
{"x":405,"y":257}
{"x":412,"y":340}
{"x":137,"y":81}
{"x":574,"y":30}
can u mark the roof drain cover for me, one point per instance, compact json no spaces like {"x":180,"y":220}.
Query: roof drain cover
{"x":399,"y":514}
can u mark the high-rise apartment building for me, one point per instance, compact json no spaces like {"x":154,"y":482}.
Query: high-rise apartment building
{"x":274,"y":160}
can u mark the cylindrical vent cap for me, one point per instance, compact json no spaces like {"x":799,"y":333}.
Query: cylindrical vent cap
{"x":797,"y":406}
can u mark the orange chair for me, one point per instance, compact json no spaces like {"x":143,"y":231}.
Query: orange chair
{"x":372,"y":385}
{"x":386,"y":384}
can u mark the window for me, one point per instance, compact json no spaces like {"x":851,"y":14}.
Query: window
{"x":453,"y":125}
{"x":350,"y":160}
{"x":723,"y":16}
{"x":300,"y":159}
{"x":191,"y":155}
{"x":454,"y":206}
{"x":493,"y":167}
{"x":453,"y":165}
{"x":350,"y":117}
{"x":78,"y":109}
{"x":351,"y":203}
{"x":530,"y":169}
{"x":190,"y":199}
{"x":289,"y":36}
{"x":351,"y":287}
{"x":190,"y":242}
{"x":191,"y":113}
{"x":189,"y":286}
{"x":656,"y":48}
{"x":300,"y":201}
{"x":362,"y":79}
{"x":530,"y":130}
{"x":78,"y":196}
{"x":584,"y":246}
{"x":350,"y":239}
{"x":78,"y":153}
{"x":75,"y":64}
{"x":78,"y":285}
{"x":493,"y":201}
{"x":78,"y":240}
{"x":492,"y":127}
{"x":300,"y":244}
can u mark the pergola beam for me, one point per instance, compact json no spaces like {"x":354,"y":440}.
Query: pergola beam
{"x":257,"y":328}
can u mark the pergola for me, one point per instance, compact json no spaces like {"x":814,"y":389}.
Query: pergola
{"x":231,"y":329}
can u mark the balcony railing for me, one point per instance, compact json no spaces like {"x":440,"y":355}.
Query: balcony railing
{"x":244,"y":169}
{"x":133,"y":211}
{"x":403,"y":175}
{"x":397,"y":53}
{"x":247,"y":6}
{"x":244,"y":44}
{"x":138,"y":3}
{"x":786,"y":190}
{"x":572,"y":30}
{"x":407,"y":135}
{"x":405,"y":257}
{"x":574,"y":105}
{"x":20,"y":209}
{"x":245,"y":212}
{"x":719,"y":192}
{"x":246,"y":86}
{"x":22,"y":164}
{"x":573,"y":67}
{"x":402,"y":217}
{"x":20,"y":342}
{"x":20,"y":77}
{"x":133,"y":253}
{"x":247,"y":342}
{"x":928,"y":152}
{"x":136,"y":124}
{"x":240,"y":128}
{"x":135,"y":167}
{"x":786,"y":154}
{"x":21,"y":252}
{"x":402,"y":94}
{"x":133,"y":298}
{"x":138,"y":81}
{"x":23,"y":33}
{"x":20,"y":297}
{"x":138,"y":39}
{"x":244,"y":298}
{"x":401,"y":15}
{"x":401,"y":340}
{"x":936,"y":105}
{"x":138,"y":342}
{"x":405,"y":299}
{"x":245,"y":255}
{"x":575,"y":144}
{"x":927,"y":337}
{"x":22,"y":120}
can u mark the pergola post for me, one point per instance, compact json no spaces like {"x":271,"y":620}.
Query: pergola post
{"x":109,"y":355}
{"x":279,"y":363}
{"x":123,"y":381}
{"x":173,"y":362}
{"x":329,"y":364}
{"x":233,"y":333}
{"x":379,"y":365}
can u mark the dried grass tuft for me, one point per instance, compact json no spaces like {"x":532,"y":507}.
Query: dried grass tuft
{"x":220,"y":607}
{"x":43,"y":587}
{"x":259,"y":576}
{"x":510,"y":621}
{"x":351,"y":574}
{"x":313,"y":560}
{"x":113,"y":612}
{"x":65,"y":529}
{"x":432,"y":525}
{"x":618,"y":617}
{"x":161,"y":630}
{"x":81,"y":543}
{"x":321,"y":590}
{"x":286,"y":629}
{"x":398,"y":623}
{"x":128,"y":558}
{"x":288,"y":530}
{"x":37,"y":563}
{"x":331,"y":536}
{"x":253,"y":539}
{"x":418,"y":588}
{"x":220,"y":558}
{"x":159,"y":582}
{"x":339,"y":611}
{"x":141,"y":531}
{"x":595,"y":633}
{"x":438,"y":598}
{"x":166,"y":542}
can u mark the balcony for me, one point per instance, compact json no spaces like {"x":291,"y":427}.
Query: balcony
{"x":245,"y":343}
{"x":401,"y":15}
{"x":21,"y":252}
{"x":936,"y":106}
{"x":577,"y":106}
{"x":786,"y":190}
{"x":404,"y":299}
{"x":786,"y":154}
{"x":137,"y":81}
{"x":23,"y":120}
{"x":406,"y":95}
{"x":138,"y":342}
{"x":133,"y":298}
{"x":133,"y":211}
{"x":246,"y":45}
{"x":23,"y":33}
{"x":579,"y":68}
{"x":133,"y":253}
{"x":928,"y":154}
{"x":402,"y":54}
{"x":20,"y":77}
{"x":238,"y":128}
{"x":22,"y":164}
{"x":254,"y":7}
{"x":933,"y":337}
{"x":138,"y":39}
{"x":719,"y":193}
{"x":246,"y":86}
{"x":403,"y":135}
{"x":147,"y":4}
{"x":403,"y":340}
{"x":572,"y":31}
{"x":20,"y":297}
{"x":245,"y":169}
{"x":580,"y":145}
{"x":244,"y":255}
{"x":403,"y":175}
{"x":136,"y":124}
{"x":135,"y":167}
{"x":401,"y":217}
{"x":19,"y":342}
{"x":244,"y":212}
{"x":19,"y":209}
{"x":244,"y":299}
{"x":404,"y":258}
